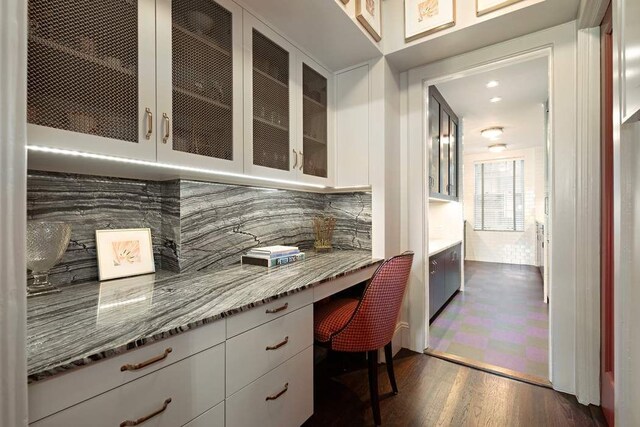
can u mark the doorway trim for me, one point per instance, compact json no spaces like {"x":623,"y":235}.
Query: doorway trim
{"x":588,"y":218}
{"x":559,"y":43}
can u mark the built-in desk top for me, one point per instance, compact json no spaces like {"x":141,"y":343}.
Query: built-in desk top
{"x":93,"y":321}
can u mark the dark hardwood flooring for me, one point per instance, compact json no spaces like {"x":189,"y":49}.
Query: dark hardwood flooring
{"x":435,"y":392}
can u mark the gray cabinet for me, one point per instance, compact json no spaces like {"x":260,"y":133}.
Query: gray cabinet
{"x":445,"y":276}
{"x":443,"y":148}
{"x":436,"y":283}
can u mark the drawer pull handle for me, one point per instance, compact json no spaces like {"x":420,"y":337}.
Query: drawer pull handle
{"x":149,"y":122}
{"x":129,"y":367}
{"x":146,"y":417}
{"x":278,"y":394}
{"x":275,"y":310}
{"x":277,"y":346}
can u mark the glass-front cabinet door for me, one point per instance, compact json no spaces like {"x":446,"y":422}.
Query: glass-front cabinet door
{"x":91,"y":76}
{"x":269,"y":103}
{"x":453,"y":159}
{"x":199,"y":57}
{"x":444,"y":148}
{"x":444,"y":152}
{"x":316,"y":147}
{"x":434,"y":145}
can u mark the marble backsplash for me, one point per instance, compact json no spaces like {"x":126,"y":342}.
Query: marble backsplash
{"x":194,"y":225}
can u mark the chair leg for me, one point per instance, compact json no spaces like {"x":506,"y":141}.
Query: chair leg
{"x":388,"y":355}
{"x":373,"y":386}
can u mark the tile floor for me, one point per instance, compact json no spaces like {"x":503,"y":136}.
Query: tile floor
{"x":499,"y":319}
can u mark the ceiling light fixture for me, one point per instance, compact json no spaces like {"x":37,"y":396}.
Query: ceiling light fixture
{"x":492,"y":133}
{"x":497,"y":148}
{"x":495,"y":99}
{"x":493,"y":83}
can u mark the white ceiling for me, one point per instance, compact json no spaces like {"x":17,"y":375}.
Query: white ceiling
{"x":523,"y":88}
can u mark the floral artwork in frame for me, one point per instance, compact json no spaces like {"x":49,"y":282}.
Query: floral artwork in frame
{"x":487,"y":6}
{"x":368,"y":13}
{"x":424,"y":17}
{"x":124,"y":253}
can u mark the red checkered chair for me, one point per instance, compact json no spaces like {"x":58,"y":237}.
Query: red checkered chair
{"x":368,"y":324}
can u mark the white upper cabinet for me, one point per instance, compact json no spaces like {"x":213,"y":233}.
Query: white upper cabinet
{"x":199,"y":71}
{"x":91,"y":79}
{"x":201,"y":84}
{"x":315,"y":122}
{"x":269,"y":102}
{"x":352,"y":127}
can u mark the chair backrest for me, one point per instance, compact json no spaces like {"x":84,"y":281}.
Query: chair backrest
{"x":374,"y":320}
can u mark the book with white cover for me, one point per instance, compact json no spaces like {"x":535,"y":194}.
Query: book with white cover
{"x":273,"y":251}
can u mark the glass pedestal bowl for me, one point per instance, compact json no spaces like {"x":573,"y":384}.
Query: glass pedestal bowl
{"x":46,"y":244}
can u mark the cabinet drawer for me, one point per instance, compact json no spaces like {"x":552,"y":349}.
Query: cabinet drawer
{"x":214,"y":417}
{"x":262,"y":314}
{"x":194,"y":385}
{"x":49,"y":396}
{"x":256,"y":352}
{"x":283,"y":397}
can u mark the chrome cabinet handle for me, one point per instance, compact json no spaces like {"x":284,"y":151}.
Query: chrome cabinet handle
{"x":295,"y":164}
{"x":149,"y":122}
{"x":151,"y":361}
{"x":280,"y":393}
{"x":167,"y":129}
{"x":301,"y":160}
{"x":275,"y":310}
{"x":277,"y":346}
{"x":139,"y":421}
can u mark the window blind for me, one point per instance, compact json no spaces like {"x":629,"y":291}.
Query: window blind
{"x":499,"y":196}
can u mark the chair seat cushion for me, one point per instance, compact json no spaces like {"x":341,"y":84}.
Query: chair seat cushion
{"x":331,"y":317}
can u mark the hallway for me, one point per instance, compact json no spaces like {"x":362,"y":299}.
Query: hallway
{"x":500,"y":319}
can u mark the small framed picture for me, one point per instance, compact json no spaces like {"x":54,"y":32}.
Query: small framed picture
{"x":124,"y":253}
{"x":487,"y":6}
{"x":368,"y":13}
{"x":424,"y":17}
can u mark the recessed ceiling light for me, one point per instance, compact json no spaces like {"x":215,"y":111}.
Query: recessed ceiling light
{"x":492,"y":133}
{"x":492,"y":83}
{"x":495,"y":99}
{"x":497,"y":148}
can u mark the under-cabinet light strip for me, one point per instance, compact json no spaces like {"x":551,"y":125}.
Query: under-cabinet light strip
{"x":165,"y":166}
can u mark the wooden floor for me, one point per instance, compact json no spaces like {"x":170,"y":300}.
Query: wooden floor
{"x":435,"y":392}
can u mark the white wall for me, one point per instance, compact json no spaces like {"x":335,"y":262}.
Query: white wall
{"x":507,"y":247}
{"x":445,"y":220}
{"x":627,"y":244}
{"x":393,"y":15}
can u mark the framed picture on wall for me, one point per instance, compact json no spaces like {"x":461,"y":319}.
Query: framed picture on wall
{"x":424,"y":17}
{"x":368,"y":13}
{"x":124,"y":253}
{"x":487,"y":6}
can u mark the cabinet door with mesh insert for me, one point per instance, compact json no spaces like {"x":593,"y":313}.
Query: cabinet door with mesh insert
{"x":200,"y":83}
{"x":315,"y":123}
{"x":91,"y":76}
{"x":269,"y":103}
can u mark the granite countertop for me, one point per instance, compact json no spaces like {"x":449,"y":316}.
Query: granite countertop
{"x":94,"y":321}
{"x":439,"y":245}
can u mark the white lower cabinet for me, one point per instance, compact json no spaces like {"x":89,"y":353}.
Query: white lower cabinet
{"x":214,"y":417}
{"x":283,"y":397}
{"x":256,"y":352}
{"x":265,"y":371}
{"x":169,"y":397}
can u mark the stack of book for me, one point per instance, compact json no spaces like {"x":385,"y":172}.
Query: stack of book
{"x":271,"y":256}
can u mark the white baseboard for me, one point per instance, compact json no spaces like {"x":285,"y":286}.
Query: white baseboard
{"x":399,"y":338}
